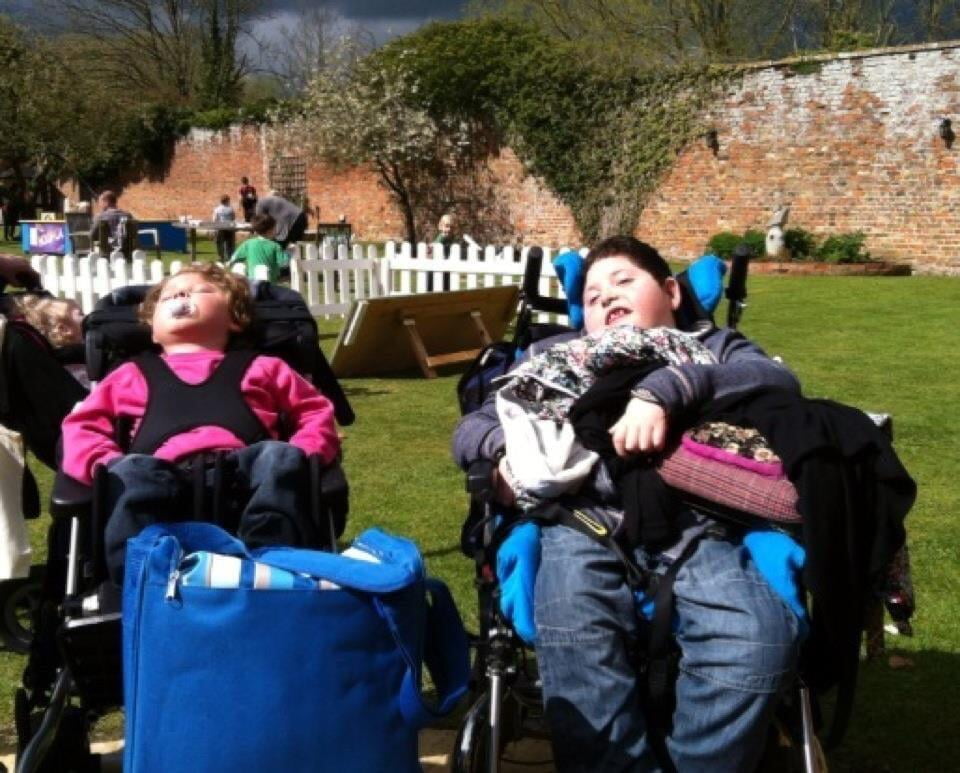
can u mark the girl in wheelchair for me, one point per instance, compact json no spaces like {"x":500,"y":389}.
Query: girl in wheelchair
{"x":738,"y":638}
{"x":198,"y":396}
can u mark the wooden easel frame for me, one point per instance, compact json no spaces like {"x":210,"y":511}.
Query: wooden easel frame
{"x":438,"y":329}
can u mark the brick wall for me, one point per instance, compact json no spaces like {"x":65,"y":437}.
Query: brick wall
{"x":853,"y":145}
{"x":850,"y":142}
{"x":207,"y":164}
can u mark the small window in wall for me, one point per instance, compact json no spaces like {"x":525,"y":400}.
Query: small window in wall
{"x":288,"y":175}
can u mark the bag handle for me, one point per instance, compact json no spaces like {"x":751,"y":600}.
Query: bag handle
{"x":400,"y":565}
{"x":445,"y":652}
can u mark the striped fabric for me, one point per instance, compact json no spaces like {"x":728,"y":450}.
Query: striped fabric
{"x":213,"y":570}
{"x":731,"y":486}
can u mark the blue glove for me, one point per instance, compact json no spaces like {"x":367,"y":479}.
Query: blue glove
{"x":569,"y":269}
{"x":518,"y":560}
{"x":706,"y":280}
{"x":780,"y":560}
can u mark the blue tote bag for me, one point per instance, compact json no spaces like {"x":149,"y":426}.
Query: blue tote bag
{"x":282,"y":659}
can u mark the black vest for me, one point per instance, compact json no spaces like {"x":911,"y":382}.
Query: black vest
{"x":174,"y":407}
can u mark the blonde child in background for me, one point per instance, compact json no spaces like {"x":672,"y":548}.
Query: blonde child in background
{"x":58,"y":320}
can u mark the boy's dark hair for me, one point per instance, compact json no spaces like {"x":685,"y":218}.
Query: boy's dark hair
{"x":236,"y":288}
{"x":244,"y":180}
{"x":224,"y":199}
{"x":262,"y":224}
{"x":109,"y":198}
{"x":637,"y":252}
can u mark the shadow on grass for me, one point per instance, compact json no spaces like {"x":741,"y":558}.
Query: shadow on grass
{"x":445,"y":551}
{"x":361,"y":391}
{"x":904,"y":719}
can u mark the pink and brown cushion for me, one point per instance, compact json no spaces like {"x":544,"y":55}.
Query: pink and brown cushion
{"x":756,"y":487}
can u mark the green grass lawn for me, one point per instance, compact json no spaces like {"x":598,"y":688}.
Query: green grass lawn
{"x":883,"y":344}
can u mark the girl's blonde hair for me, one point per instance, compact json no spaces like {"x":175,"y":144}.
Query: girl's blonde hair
{"x":236,"y":288}
{"x":49,"y":316}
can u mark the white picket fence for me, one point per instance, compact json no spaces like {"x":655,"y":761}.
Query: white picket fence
{"x":329,"y":279}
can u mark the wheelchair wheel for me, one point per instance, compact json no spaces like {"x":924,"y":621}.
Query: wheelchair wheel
{"x":18,"y":602}
{"x":471,"y":749}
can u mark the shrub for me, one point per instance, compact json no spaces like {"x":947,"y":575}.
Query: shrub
{"x":844,"y":248}
{"x":757,"y":242}
{"x":801,"y":243}
{"x":722,"y":244}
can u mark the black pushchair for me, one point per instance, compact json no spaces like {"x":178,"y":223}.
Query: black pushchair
{"x":507,"y":704}
{"x":73,"y":675}
{"x":27,"y":360}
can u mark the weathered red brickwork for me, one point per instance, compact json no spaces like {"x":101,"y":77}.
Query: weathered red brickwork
{"x":853,"y":145}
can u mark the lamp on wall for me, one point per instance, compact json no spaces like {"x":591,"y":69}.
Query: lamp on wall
{"x":946,"y":132}
{"x":712,"y":140}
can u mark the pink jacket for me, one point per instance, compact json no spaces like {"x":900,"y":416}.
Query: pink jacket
{"x":269,"y":386}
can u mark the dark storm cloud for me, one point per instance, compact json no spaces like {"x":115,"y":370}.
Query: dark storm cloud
{"x":371,"y":10}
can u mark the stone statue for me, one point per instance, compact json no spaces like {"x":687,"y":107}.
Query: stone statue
{"x":775,"y":246}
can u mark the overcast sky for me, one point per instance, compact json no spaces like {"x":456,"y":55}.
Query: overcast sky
{"x":383,"y":18}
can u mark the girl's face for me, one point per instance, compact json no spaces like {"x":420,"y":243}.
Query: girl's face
{"x":68,"y":324}
{"x":192,"y":313}
{"x":618,"y":292}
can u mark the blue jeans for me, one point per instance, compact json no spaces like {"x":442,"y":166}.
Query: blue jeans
{"x":270,"y":484}
{"x":738,"y":641}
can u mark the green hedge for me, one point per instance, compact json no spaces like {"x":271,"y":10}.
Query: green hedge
{"x":802,"y":245}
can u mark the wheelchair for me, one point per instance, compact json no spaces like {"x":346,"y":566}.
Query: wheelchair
{"x":507,"y":703}
{"x":28,"y":359}
{"x":73,"y":674}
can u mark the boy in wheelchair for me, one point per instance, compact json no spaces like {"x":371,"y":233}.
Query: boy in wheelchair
{"x":738,"y":638}
{"x":200,"y":397}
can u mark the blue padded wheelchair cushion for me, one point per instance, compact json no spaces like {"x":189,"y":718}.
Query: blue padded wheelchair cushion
{"x":518,"y":560}
{"x":568,"y":267}
{"x":780,"y":560}
{"x":706,"y":279}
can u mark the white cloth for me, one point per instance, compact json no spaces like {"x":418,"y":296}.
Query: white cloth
{"x":14,"y":540}
{"x":544,"y":455}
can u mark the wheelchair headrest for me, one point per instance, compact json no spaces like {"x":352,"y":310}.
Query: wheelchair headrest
{"x":282,"y":326}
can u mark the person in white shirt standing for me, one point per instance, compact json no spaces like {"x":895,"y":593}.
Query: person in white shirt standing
{"x":226,"y":238}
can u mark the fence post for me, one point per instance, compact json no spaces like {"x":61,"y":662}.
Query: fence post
{"x":386,"y":268}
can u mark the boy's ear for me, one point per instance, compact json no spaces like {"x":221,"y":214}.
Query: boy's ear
{"x":672,"y":287}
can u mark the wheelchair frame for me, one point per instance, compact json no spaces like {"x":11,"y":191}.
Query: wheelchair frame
{"x":497,"y":715}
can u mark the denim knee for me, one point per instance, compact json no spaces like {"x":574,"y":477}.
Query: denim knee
{"x":733,"y":629}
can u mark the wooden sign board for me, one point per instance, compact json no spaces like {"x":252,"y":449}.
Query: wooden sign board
{"x":402,"y":332}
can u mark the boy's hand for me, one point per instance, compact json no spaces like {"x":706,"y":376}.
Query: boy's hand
{"x":641,"y":430}
{"x":503,"y":491}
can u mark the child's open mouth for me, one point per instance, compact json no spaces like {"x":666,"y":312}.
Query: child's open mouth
{"x":613,"y":315}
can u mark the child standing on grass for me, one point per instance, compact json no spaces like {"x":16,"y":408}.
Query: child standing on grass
{"x":226,"y":239}
{"x":261,"y":250}
{"x":196,"y":397}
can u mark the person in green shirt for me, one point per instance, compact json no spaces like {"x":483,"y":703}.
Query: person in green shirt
{"x":261,"y":250}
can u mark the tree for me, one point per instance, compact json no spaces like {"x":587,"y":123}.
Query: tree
{"x":648,"y":32}
{"x":371,"y":117}
{"x":160,"y":50}
{"x":320,"y":40}
{"x":221,"y":68}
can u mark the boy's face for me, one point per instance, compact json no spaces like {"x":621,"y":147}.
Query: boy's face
{"x":192,"y":313}
{"x":618,"y":292}
{"x":446,"y":225}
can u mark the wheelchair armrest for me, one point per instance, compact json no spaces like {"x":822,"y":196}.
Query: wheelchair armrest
{"x":480,"y":479}
{"x":70,"y":498}
{"x":331,"y":495}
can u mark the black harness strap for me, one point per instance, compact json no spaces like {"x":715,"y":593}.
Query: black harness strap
{"x":175,"y":407}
